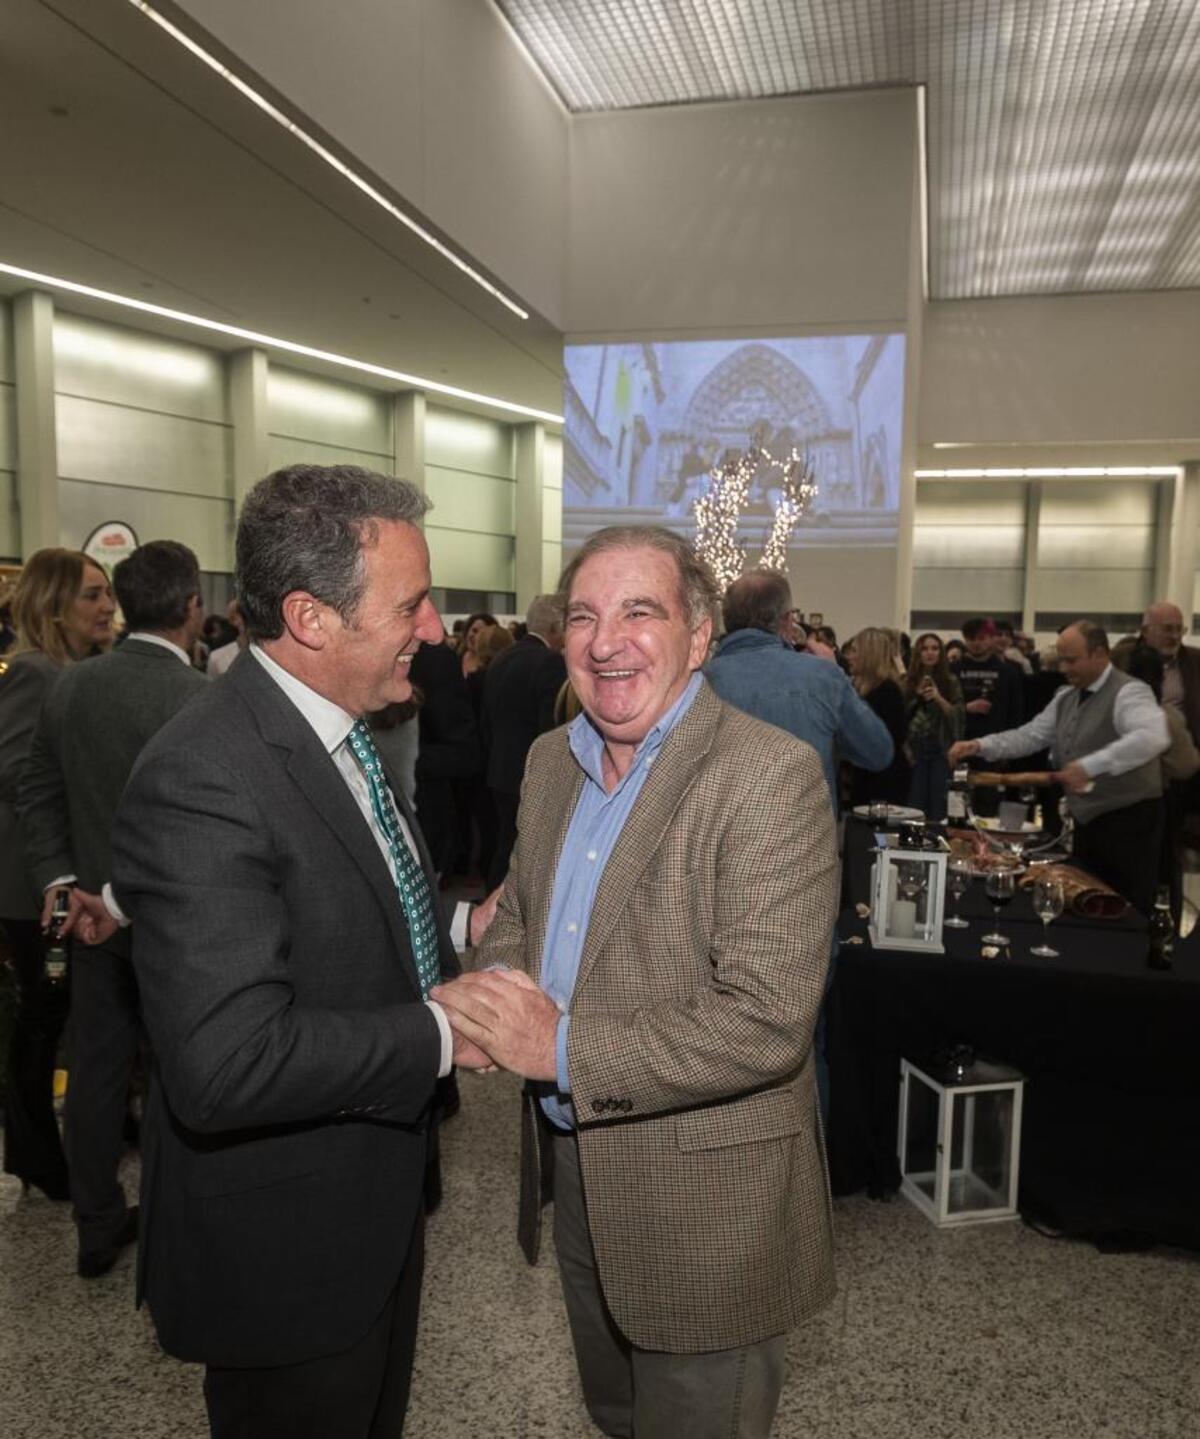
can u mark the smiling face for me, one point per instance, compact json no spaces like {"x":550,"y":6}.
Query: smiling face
{"x":88,"y":620}
{"x":630,"y":648}
{"x":364,"y":663}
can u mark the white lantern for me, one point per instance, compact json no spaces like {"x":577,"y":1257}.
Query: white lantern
{"x":908,"y":895}
{"x":959,"y":1144}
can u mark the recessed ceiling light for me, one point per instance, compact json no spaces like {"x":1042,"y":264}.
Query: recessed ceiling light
{"x":273,"y":342}
{"x":324,"y":153}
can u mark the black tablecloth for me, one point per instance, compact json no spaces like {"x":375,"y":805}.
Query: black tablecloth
{"x":1110,"y":1048}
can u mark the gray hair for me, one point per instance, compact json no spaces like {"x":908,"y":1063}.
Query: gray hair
{"x":757,"y":601}
{"x":699,"y":592}
{"x":305,"y":528}
{"x":544,"y":615}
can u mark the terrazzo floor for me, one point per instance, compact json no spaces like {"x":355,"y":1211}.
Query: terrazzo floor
{"x":988,"y":1333}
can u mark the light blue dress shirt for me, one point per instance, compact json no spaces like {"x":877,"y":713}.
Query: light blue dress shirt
{"x":595,"y":827}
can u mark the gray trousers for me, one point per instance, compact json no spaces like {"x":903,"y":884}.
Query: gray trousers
{"x":636,"y":1393}
{"x":104,"y":1033}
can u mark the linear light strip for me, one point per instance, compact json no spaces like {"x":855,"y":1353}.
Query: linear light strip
{"x":1054,"y":473}
{"x":290,"y":347}
{"x":321,"y":152}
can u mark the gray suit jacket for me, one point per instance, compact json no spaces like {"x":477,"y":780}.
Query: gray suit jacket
{"x":24,"y":682}
{"x":95,"y":722}
{"x":285,"y":1144}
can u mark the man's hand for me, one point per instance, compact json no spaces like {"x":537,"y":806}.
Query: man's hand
{"x":505,"y":1015}
{"x":962,"y":749}
{"x":1074,"y":778}
{"x":91,"y":921}
{"x":467,"y":1055}
{"x":48,"y":899}
{"x":482,"y":915}
{"x":979,"y":707}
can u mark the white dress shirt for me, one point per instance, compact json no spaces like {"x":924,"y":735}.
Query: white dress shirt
{"x":1139,"y":721}
{"x":332,"y":726}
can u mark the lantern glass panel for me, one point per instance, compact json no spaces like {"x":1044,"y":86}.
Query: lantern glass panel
{"x":920,"y":1159}
{"x":981,"y":1148}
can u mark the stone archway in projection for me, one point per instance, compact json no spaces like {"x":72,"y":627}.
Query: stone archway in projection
{"x":756,"y":384}
{"x":756,"y":392}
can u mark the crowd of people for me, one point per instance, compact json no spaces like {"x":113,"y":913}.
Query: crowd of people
{"x":251,"y":862}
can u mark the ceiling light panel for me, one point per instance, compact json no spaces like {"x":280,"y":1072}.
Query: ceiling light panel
{"x":1063,"y":135}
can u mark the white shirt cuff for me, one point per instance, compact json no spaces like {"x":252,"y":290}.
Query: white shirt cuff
{"x":443,"y":1024}
{"x":60,"y":883}
{"x":459,"y":937}
{"x":110,"y":904}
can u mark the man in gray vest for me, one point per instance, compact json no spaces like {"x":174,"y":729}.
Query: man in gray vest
{"x":1106,"y":732}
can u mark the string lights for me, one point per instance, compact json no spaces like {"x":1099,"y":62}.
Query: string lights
{"x":719,"y":510}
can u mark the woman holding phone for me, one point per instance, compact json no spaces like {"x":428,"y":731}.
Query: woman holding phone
{"x":935,"y":720}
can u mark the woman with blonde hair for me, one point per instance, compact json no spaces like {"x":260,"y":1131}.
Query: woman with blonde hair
{"x":872,"y":659}
{"x":63,"y":611}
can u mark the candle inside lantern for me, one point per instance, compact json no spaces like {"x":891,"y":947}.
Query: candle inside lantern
{"x":904,"y":919}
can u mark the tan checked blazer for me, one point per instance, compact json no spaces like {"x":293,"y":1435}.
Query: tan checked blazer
{"x":690,"y":1047}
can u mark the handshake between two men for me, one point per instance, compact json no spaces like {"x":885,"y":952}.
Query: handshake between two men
{"x":499,"y":1017}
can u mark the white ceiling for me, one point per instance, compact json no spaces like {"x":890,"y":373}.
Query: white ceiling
{"x":134,"y":169}
{"x":1063,"y":135}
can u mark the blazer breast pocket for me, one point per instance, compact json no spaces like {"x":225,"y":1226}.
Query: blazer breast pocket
{"x":769,"y":1114}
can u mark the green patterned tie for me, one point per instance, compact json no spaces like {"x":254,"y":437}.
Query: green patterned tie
{"x":409,"y":876}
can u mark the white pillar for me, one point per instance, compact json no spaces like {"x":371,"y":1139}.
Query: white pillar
{"x":37,"y":440}
{"x":408,"y":437}
{"x":1033,"y":521}
{"x":530,"y":471}
{"x":1181,"y":577}
{"x":248,"y":412}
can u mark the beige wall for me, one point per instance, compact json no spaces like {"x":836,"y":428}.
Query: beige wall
{"x":780,"y":214}
{"x":10,"y":530}
{"x":1115,"y":376}
{"x":436,"y":98}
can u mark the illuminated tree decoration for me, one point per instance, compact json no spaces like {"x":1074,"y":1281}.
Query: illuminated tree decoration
{"x":719,"y":510}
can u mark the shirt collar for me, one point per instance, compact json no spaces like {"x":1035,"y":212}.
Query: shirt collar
{"x":330,"y":722}
{"x":1099,"y":684}
{"x":159,"y":640}
{"x":752,"y":639}
{"x":587,"y":744}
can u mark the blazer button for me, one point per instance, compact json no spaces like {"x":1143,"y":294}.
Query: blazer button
{"x":598,"y":1106}
{"x":626,"y":1105}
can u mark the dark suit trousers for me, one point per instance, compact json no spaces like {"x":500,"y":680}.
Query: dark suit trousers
{"x":361,"y":1393}
{"x":507,"y":806}
{"x":104,"y":1034}
{"x":1123,"y":849}
{"x":32,"y":1148}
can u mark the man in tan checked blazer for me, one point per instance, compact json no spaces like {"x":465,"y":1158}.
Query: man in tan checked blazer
{"x":665,"y":927}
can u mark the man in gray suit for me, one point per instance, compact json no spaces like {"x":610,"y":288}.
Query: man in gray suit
{"x":285,"y":938}
{"x":92,"y":727}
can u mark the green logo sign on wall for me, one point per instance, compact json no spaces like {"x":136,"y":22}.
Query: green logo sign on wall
{"x":110,"y":543}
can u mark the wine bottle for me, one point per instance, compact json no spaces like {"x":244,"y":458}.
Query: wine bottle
{"x":1160,"y":951}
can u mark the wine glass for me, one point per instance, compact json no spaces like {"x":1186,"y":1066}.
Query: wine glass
{"x":1001,"y":887}
{"x":1047,"y":905}
{"x":958,"y":878}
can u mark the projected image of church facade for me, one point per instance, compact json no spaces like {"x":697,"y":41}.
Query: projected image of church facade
{"x":645,"y":424}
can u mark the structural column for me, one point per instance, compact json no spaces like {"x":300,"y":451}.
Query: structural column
{"x":37,"y":441}
{"x":408,"y":437}
{"x":248,"y":411}
{"x":1033,"y":523}
{"x":1185,"y":529}
{"x":530,"y":519}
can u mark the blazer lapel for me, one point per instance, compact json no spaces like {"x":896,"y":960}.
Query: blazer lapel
{"x":541,"y":845}
{"x":317,"y":777}
{"x":671,"y":775}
